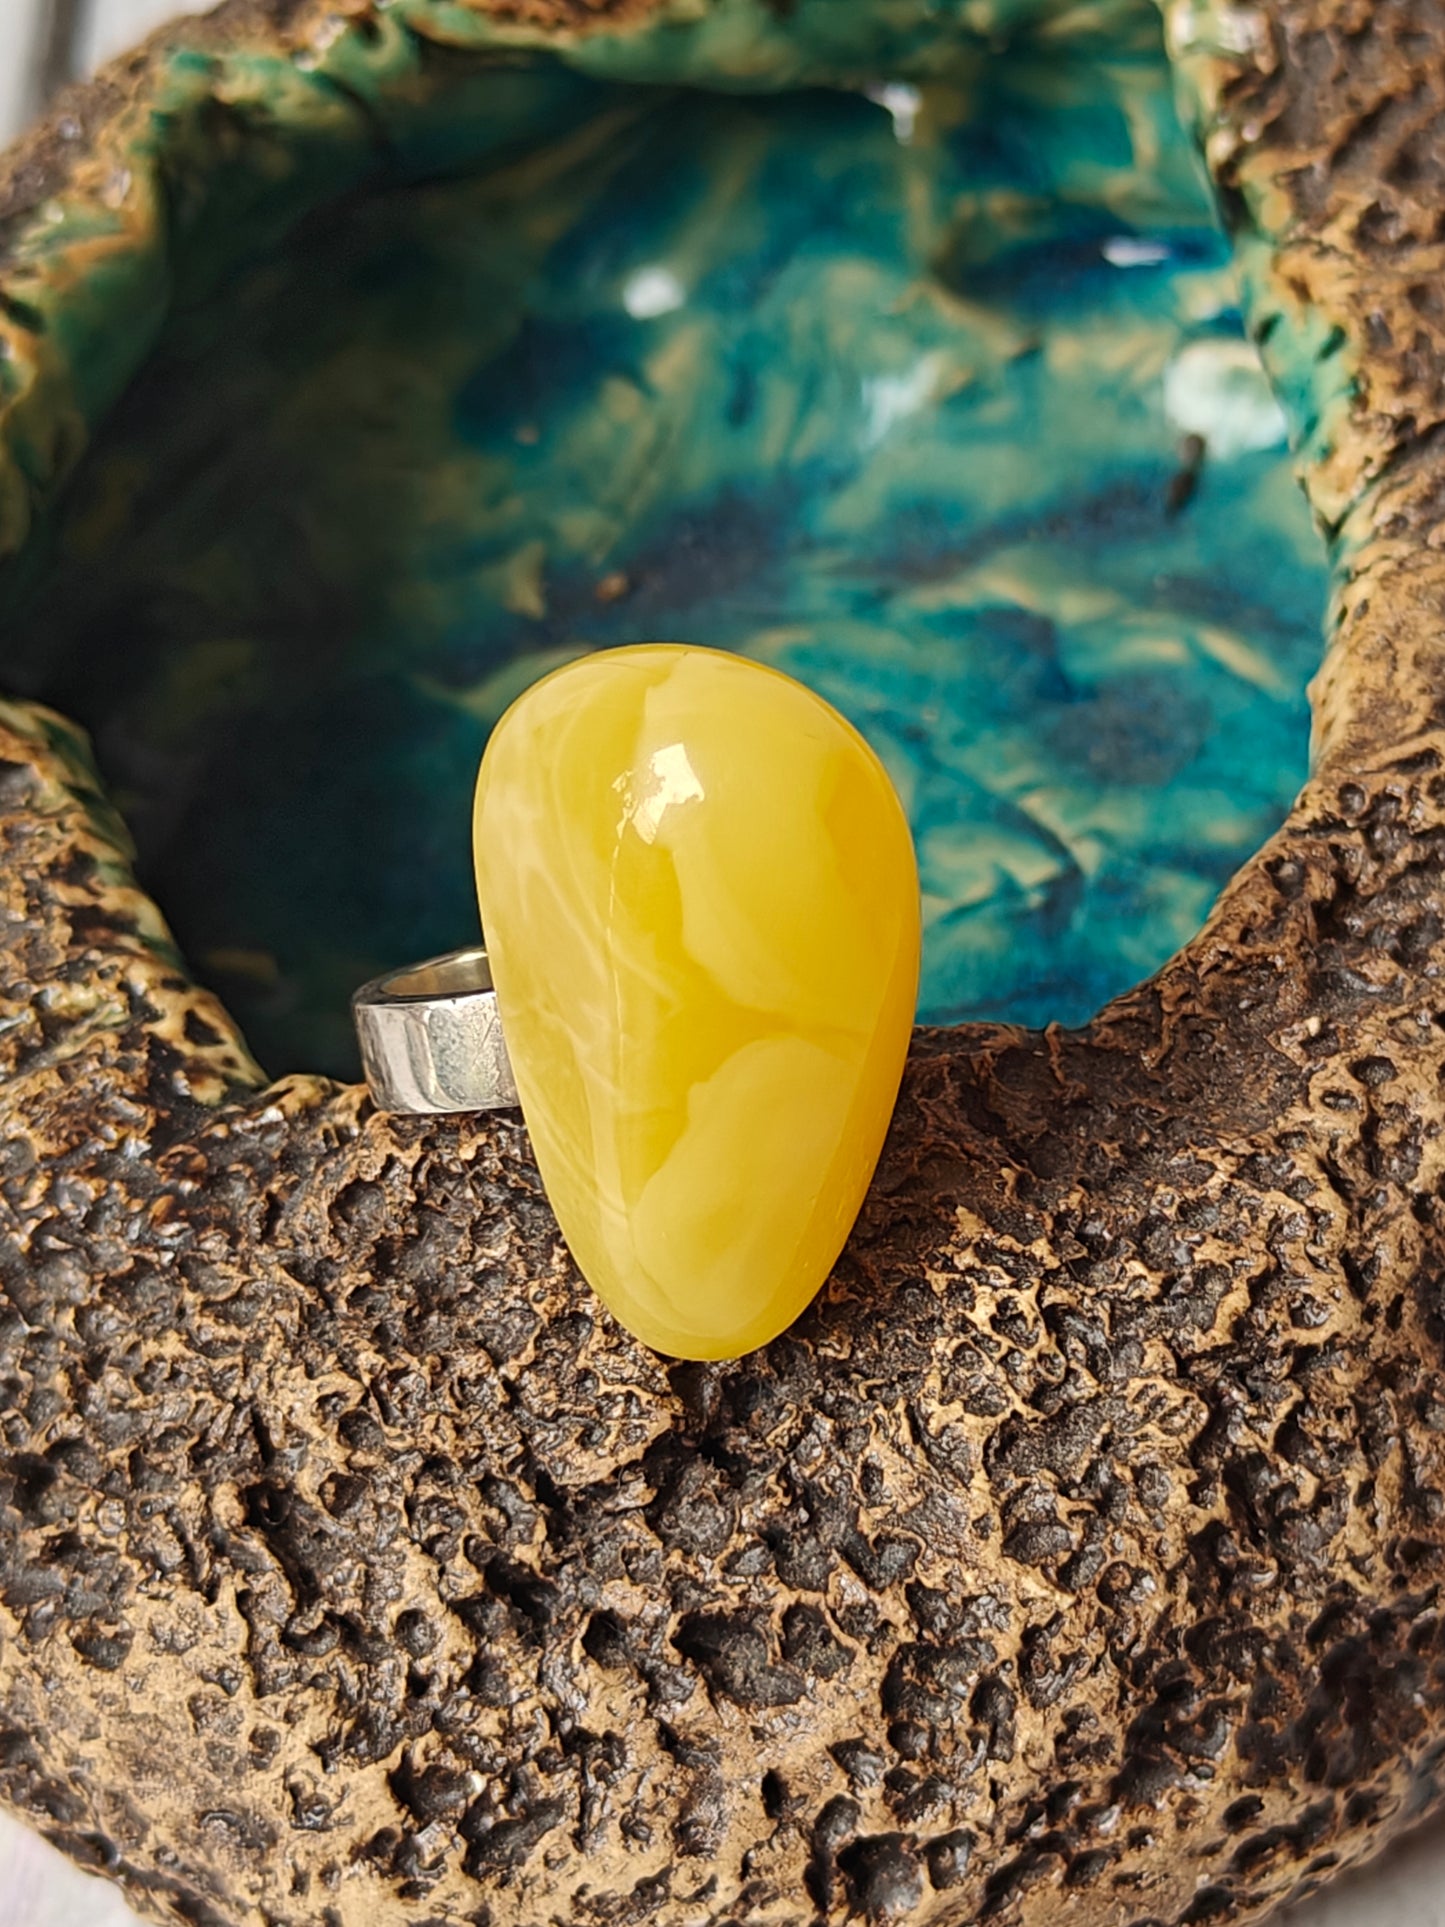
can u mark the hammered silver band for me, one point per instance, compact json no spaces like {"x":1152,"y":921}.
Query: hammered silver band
{"x":431,"y":1038}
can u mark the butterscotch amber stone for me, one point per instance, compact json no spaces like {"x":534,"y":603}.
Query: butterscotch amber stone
{"x":702,"y":907}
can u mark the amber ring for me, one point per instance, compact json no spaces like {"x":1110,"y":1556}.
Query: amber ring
{"x":431,"y":1037}
{"x":702,"y":910}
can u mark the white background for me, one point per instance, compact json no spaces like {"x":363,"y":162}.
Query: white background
{"x":17,"y":52}
{"x":37,"y":1888}
{"x":110,"y":26}
{"x":106,"y":27}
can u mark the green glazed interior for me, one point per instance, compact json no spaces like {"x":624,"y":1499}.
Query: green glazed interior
{"x":891,"y":384}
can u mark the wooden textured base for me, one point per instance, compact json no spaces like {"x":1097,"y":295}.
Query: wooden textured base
{"x":1078,"y":1557}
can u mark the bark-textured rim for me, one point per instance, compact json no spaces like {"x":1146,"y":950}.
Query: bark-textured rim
{"x":355,"y":1570}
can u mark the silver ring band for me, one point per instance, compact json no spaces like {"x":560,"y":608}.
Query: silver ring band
{"x":431,"y":1037}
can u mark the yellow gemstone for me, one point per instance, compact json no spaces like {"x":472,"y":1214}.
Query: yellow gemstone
{"x":701,"y":904}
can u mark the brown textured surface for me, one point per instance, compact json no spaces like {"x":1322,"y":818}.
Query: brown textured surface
{"x":1079,"y":1555}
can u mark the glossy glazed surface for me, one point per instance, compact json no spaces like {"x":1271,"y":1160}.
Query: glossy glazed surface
{"x":702,"y":910}
{"x":891,"y":392}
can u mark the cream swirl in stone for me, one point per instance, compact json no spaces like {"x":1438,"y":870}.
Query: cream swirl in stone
{"x":702,"y":910}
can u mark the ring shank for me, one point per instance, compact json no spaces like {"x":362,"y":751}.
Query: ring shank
{"x":431,"y":1037}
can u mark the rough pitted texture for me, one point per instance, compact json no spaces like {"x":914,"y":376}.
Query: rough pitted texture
{"x":357,"y":1570}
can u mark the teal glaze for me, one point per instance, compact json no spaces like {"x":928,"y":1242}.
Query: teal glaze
{"x":891,"y":415}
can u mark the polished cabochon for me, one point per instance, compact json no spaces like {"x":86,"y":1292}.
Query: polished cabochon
{"x":702,"y":908}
